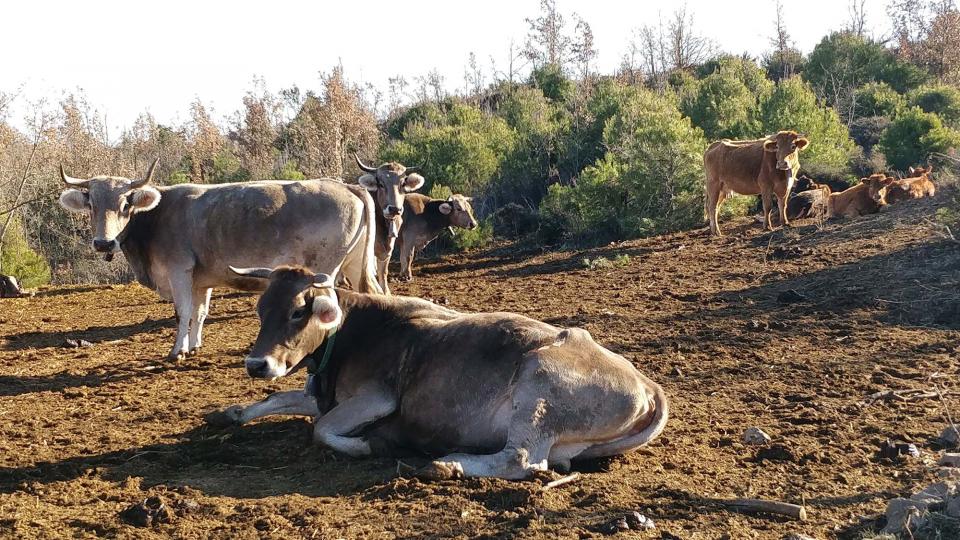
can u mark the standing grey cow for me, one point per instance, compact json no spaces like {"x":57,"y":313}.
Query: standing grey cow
{"x":390,"y":182}
{"x":392,"y":373}
{"x":179,"y":240}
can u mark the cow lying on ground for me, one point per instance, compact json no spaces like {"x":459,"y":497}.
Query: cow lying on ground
{"x":425,"y":219}
{"x":394,"y":374}
{"x":180,"y":239}
{"x":917,"y":186}
{"x":764,"y":167}
{"x":867,"y":197}
{"x":390,"y":182}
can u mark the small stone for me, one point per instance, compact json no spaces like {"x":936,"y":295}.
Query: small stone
{"x":756,"y":436}
{"x":953,"y":507}
{"x":900,"y":512}
{"x":949,"y":460}
{"x":84,"y":343}
{"x":639,"y":522}
{"x":798,"y":536}
{"x":71,"y":343}
{"x":615,"y":525}
{"x":950,"y":438}
{"x":894,"y":449}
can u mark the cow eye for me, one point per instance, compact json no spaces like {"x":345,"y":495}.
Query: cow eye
{"x":299,"y":313}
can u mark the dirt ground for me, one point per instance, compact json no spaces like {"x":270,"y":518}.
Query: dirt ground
{"x":87,"y":432}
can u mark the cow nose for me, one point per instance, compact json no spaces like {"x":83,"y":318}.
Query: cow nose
{"x":392,"y":211}
{"x":103,"y":245}
{"x":256,"y":367}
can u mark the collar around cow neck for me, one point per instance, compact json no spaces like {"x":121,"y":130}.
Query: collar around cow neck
{"x":312,"y":368}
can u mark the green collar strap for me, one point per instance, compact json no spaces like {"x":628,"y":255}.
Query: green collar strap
{"x":327,"y":353}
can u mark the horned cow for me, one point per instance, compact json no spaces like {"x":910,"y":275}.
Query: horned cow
{"x":508,"y":395}
{"x":179,"y":240}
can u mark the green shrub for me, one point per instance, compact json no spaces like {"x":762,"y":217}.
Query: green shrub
{"x":913,"y":135}
{"x":877,"y":99}
{"x":866,"y":131}
{"x":481,"y":237}
{"x":943,"y":100}
{"x":464,"y":149}
{"x":439,"y":191}
{"x":19,"y":260}
{"x":723,"y":107}
{"x":178,"y":177}
{"x":538,"y":127}
{"x":289,"y":172}
{"x":793,"y":105}
{"x":650,"y":180}
{"x":856,"y":60}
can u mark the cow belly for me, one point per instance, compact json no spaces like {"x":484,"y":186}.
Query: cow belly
{"x":458,"y":427}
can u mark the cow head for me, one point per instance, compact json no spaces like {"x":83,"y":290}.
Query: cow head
{"x":920,"y":171}
{"x":297,"y":312}
{"x":110,"y":201}
{"x":458,"y":208}
{"x":390,"y":182}
{"x":786,"y":145}
{"x":877,"y":185}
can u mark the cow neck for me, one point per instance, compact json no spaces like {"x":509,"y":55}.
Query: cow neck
{"x":319,"y":367}
{"x":436,"y":220}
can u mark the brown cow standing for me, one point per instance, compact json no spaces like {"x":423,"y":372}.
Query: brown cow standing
{"x":915,"y":187}
{"x":425,"y":219}
{"x":764,"y":167}
{"x":867,"y":197}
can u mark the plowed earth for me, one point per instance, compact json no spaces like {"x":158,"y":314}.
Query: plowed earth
{"x":87,"y":432}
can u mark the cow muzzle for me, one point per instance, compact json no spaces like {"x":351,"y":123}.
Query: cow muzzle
{"x":104,"y":246}
{"x":391,"y":211}
{"x":264,"y":367}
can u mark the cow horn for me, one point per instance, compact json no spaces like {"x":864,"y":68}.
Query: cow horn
{"x":364,"y":168}
{"x":146,"y":179}
{"x":411,"y":170}
{"x":322,"y":281}
{"x":262,"y":273}
{"x":75,"y":182}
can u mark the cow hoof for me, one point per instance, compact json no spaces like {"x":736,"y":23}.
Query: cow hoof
{"x":194,"y":351}
{"x":224,"y":417}
{"x":177,"y":356}
{"x":440,"y":470}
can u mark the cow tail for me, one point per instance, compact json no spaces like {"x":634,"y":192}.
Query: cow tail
{"x":368,"y":280}
{"x":661,"y":413}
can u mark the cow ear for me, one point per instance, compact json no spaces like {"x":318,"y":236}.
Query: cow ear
{"x":888,"y":180}
{"x":801,"y":143}
{"x":865,"y":180}
{"x":911,"y":169}
{"x":144,"y":199}
{"x":327,"y":311}
{"x":446,"y":208}
{"x":412,"y":182}
{"x":368,"y":181}
{"x":770,"y":146}
{"x":75,"y":200}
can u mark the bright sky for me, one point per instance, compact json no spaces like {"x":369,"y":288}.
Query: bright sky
{"x":130,"y":56}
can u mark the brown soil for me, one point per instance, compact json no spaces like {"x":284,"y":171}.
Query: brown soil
{"x":87,"y":433}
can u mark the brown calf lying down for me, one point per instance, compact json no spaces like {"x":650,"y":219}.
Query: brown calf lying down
{"x":915,"y":187}
{"x":867,"y":197}
{"x":424,"y":220}
{"x":509,"y":394}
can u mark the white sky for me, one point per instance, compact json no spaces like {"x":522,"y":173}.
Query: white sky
{"x":132,"y":56}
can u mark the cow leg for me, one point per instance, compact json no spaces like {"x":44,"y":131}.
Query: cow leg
{"x":382,"y":269}
{"x":527,"y":450}
{"x":407,"y":251}
{"x":292,"y":402}
{"x":714,"y":197}
{"x":767,"y":198}
{"x":334,"y":428}
{"x":181,"y":284}
{"x":201,"y":306}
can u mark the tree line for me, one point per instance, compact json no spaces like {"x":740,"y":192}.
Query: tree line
{"x":553,"y":150}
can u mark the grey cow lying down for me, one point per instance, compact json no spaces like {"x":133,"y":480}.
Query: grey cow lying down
{"x":508,"y":394}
